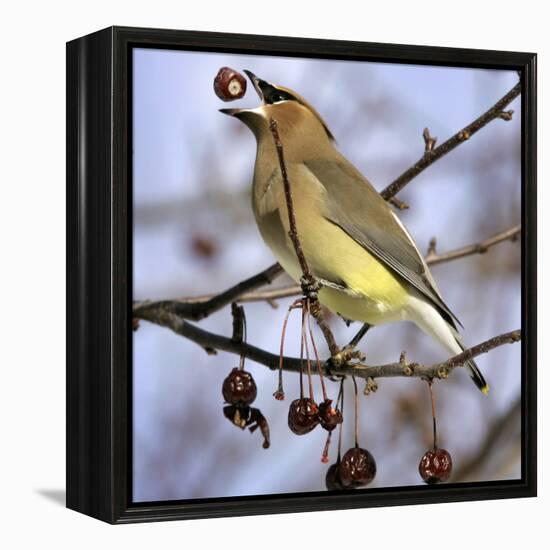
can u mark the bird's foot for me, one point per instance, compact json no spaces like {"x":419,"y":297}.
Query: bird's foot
{"x":310,"y":288}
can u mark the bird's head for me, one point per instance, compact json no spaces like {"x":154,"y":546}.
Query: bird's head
{"x":294,"y":115}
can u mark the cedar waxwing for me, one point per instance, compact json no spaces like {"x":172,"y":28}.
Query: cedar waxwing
{"x":367,"y":262}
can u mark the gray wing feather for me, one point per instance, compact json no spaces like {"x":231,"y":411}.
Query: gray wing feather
{"x":383,"y":237}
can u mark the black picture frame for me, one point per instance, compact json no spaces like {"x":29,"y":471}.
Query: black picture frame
{"x":99,"y":238}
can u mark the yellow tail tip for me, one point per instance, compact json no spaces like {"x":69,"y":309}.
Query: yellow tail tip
{"x":485,"y":389}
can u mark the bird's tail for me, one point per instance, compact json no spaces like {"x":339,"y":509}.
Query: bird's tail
{"x":475,"y":373}
{"x":431,"y":322}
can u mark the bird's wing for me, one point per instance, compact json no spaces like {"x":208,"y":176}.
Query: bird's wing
{"x":351,"y":202}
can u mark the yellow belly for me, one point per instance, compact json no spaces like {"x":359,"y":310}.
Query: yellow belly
{"x":374,"y":294}
{"x":364,"y":308}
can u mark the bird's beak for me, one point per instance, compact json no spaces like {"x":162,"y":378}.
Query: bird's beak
{"x":231,"y":112}
{"x":261,"y":87}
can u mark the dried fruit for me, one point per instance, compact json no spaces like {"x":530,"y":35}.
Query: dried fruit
{"x":303,"y":415}
{"x":435,"y":466}
{"x":332,"y":479}
{"x":357,"y":468}
{"x":239,"y":388}
{"x":229,"y":84}
{"x":204,"y":247}
{"x":329,"y":416}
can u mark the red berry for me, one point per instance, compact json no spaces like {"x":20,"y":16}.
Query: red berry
{"x":229,"y":84}
{"x":329,"y":416}
{"x":204,"y":247}
{"x":303,"y":415}
{"x":357,"y":468}
{"x":332,"y":479}
{"x":435,"y":466}
{"x":239,"y":388}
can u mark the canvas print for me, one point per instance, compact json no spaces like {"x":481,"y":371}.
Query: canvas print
{"x":326,"y":271}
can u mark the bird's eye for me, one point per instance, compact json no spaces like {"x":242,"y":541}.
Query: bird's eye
{"x":277,"y":96}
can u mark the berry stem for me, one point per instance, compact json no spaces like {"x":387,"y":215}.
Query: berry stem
{"x":340,"y":400}
{"x":280,"y":393}
{"x":305,"y":317}
{"x":241,"y":362}
{"x":324,"y":456}
{"x":324,"y":389}
{"x":356,"y":405}
{"x":302,"y":363}
{"x":340,"y":397}
{"x":432,"y":399}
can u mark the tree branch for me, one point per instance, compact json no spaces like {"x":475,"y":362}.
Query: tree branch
{"x":250,"y":295}
{"x":197,"y":310}
{"x":432,"y":154}
{"x":162,"y":316}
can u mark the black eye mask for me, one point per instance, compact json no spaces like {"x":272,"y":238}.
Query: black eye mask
{"x":273,"y":95}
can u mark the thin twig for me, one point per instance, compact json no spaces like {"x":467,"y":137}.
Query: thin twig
{"x":511,"y":234}
{"x":238,"y":322}
{"x":310,"y":285}
{"x":196,"y":311}
{"x":429,"y":157}
{"x":317,"y":313}
{"x":293,"y":231}
{"x":484,"y":347}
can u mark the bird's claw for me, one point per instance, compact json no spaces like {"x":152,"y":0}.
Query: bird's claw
{"x":310,"y":288}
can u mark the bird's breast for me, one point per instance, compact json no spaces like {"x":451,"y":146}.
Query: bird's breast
{"x":373,"y":293}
